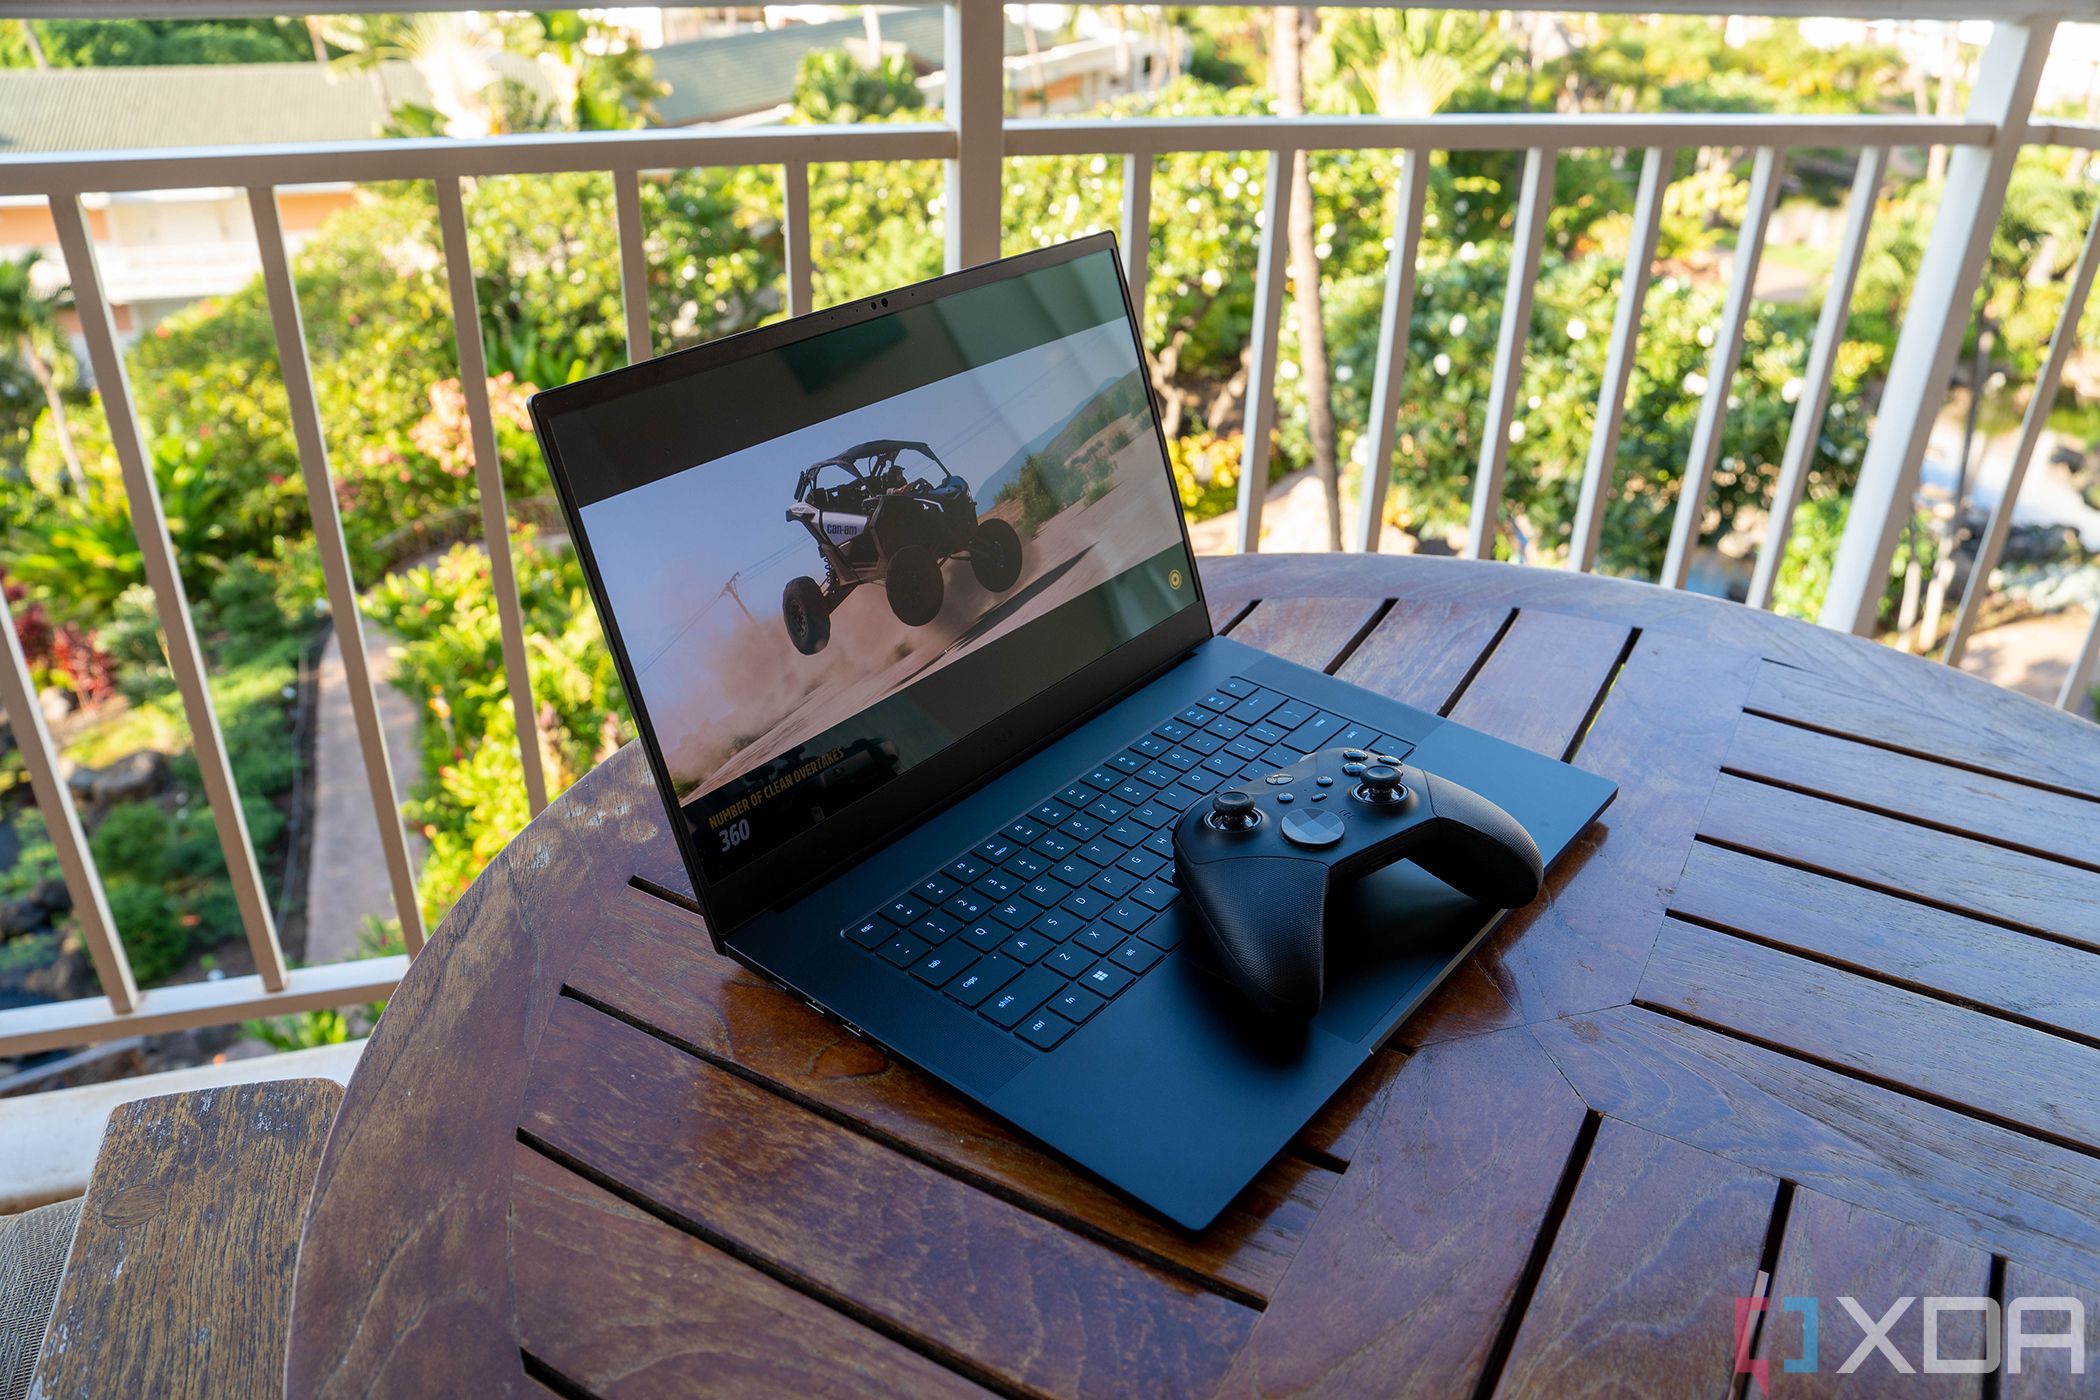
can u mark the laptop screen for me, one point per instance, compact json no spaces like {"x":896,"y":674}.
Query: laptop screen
{"x":829,"y":560}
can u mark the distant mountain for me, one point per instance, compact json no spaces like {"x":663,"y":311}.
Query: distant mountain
{"x":1124,"y":394}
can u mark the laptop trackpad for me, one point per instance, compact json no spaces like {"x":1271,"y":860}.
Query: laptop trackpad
{"x":1180,"y":1058}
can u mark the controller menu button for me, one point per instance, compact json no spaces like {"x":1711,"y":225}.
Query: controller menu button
{"x":1313,"y":828}
{"x":1355,"y":755}
{"x":1277,"y":779}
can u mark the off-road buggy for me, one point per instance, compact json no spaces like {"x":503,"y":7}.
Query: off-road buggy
{"x":874,"y":521}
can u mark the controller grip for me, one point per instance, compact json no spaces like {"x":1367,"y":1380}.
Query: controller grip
{"x":1266,"y":916}
{"x":1477,"y":848}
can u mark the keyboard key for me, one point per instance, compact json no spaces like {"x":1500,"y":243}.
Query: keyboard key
{"x":1290,"y":714}
{"x":1154,"y":814}
{"x":1194,"y":715}
{"x":1319,"y":732}
{"x":872,"y":932}
{"x":1392,"y":747}
{"x":984,"y":937}
{"x":1225,"y":728}
{"x":1081,"y":827}
{"x":1256,"y":706}
{"x":990,"y":974}
{"x":1131,"y":792}
{"x":964,"y":869}
{"x":1101,"y":852}
{"x":1161,"y":842}
{"x":903,"y":910}
{"x":997,"y":886}
{"x":1141,"y":862}
{"x":903,"y":950}
{"x":1354,"y":736}
{"x":1047,"y":892}
{"x":1025,"y":866}
{"x":1151,"y":746}
{"x":1022,"y":995}
{"x":1076,"y":1004}
{"x":1126,"y":762}
{"x":1127,"y":834}
{"x":936,"y":927}
{"x":1105,"y":979}
{"x":1102,"y":779}
{"x":1077,"y":795}
{"x":1044,"y":1030}
{"x":1136,"y":956}
{"x":1219,"y":701}
{"x":1088,"y":904}
{"x":1227,"y":764}
{"x":943,"y":965}
{"x":1265,"y":733}
{"x":1108,"y":809}
{"x":1069,"y":959}
{"x":1051,"y":813}
{"x":1174,"y":731}
{"x":1155,"y":894}
{"x":1075,"y":870}
{"x":995,"y":849}
{"x":1202,"y":779}
{"x":1205,"y":743}
{"x":1240,"y":686}
{"x":1282,"y":754}
{"x":1115,"y":883}
{"x":1180,"y":759}
{"x":1159,"y":777}
{"x":1246,"y":749}
{"x":1057,"y":845}
{"x":1180,"y":798}
{"x":1100,"y":938}
{"x":1025,"y":947}
{"x":1022,"y":830}
{"x":1130,"y":915}
{"x":935,"y":889}
{"x":1058,"y":924}
{"x":1016,"y":913}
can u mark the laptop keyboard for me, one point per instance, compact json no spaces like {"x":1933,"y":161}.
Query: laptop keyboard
{"x":1045,"y":921}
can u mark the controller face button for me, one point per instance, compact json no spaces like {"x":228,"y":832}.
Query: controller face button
{"x":1352,"y":770}
{"x":1324,"y":781}
{"x":1286,"y":798}
{"x":1355,"y":755}
{"x":1387,"y":759}
{"x":1277,"y":779}
{"x":1315,"y":829}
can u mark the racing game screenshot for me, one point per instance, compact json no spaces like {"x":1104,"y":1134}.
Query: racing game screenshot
{"x":811,"y":614}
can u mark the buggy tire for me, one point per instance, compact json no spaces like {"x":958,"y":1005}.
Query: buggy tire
{"x":995,"y":555}
{"x":915,"y":585}
{"x":808,"y":617}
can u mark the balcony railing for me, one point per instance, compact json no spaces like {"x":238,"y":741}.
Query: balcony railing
{"x":973,"y":140}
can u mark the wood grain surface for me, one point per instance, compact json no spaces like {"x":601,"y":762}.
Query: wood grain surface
{"x":1813,"y":1010}
{"x":179,"y":1282}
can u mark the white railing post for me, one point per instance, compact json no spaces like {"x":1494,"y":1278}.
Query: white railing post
{"x":54,"y":801}
{"x":1533,"y":205}
{"x":305,"y":409}
{"x":1271,"y":269}
{"x":2080,"y":677}
{"x":1395,"y":325}
{"x":1807,"y":427}
{"x":488,"y":476}
{"x":1971,"y":200}
{"x":974,"y":99}
{"x":1978,"y":590}
{"x":634,"y":264}
{"x":1720,"y":371}
{"x":1136,"y":234}
{"x":1588,"y":534}
{"x":795,"y":235}
{"x":149,"y":525}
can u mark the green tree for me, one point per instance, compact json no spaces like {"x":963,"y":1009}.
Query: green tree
{"x":133,"y":43}
{"x":29,"y":328}
{"x":835,"y":86}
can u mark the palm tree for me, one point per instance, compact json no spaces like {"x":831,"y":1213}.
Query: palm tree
{"x":29,"y":326}
{"x":1408,"y":63}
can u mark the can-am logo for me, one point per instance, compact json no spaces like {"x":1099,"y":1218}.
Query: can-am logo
{"x":2021,"y":1326}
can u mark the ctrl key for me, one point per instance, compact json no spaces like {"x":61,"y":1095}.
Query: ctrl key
{"x":1044,"y":1031}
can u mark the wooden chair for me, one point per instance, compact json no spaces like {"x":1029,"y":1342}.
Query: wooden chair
{"x":179,"y":1277}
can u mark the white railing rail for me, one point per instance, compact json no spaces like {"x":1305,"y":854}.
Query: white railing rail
{"x":973,"y":141}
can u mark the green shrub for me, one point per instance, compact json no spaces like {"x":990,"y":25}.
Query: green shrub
{"x":151,"y":929}
{"x":135,"y":842}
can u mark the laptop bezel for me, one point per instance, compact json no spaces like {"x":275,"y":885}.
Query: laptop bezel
{"x":804,"y":862}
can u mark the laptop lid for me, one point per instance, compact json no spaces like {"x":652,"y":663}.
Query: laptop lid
{"x":854,"y":564}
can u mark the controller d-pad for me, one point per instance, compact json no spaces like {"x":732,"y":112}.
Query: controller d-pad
{"x":1312,"y":827}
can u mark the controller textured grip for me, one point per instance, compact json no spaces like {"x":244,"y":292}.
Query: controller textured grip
{"x":1477,"y":848}
{"x":1267,"y":917}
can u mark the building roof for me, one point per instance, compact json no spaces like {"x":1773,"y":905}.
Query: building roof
{"x":730,"y":75}
{"x":114,"y":109}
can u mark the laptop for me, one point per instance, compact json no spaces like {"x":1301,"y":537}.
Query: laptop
{"x":904,"y":603}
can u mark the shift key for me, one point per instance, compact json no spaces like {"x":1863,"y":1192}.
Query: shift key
{"x":1023,"y":995}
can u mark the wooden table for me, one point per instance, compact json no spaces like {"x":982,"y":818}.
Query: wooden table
{"x":1817,"y":1005}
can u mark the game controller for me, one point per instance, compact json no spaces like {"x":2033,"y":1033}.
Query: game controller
{"x":1258,"y":859}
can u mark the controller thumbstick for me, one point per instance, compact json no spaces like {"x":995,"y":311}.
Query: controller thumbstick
{"x":1381,"y":783}
{"x":1232,"y":810}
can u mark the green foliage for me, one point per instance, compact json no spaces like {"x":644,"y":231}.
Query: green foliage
{"x":310,"y":1030}
{"x":835,"y":86}
{"x":132,"y":43}
{"x":150,"y":927}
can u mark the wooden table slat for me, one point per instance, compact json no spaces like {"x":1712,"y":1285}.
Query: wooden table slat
{"x":1658,"y":1242}
{"x":654,"y":964}
{"x":988,"y":1287}
{"x":1411,"y":1269}
{"x":1901,"y":785}
{"x":1894,"y":938}
{"x":1832,"y":1250}
{"x":1917,"y":1043}
{"x":1542,"y":681}
{"x":1972,"y":877}
{"x":624,"y":1305}
{"x":2045,"y":1372}
{"x":1309,"y":631}
{"x":1856,"y":1141}
{"x":1421,"y":654}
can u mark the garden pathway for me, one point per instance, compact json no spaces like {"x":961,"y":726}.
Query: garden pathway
{"x":348,"y":879}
